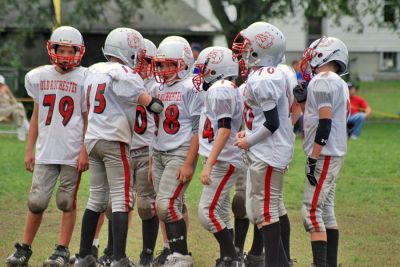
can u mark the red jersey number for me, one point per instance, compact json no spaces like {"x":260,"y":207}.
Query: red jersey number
{"x":65,"y":108}
{"x":101,"y":100}
{"x":141,"y":120}
{"x":171,"y":124}
{"x":248,"y":116}
{"x":208,"y":131}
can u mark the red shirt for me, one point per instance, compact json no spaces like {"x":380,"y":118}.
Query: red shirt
{"x":358,"y":104}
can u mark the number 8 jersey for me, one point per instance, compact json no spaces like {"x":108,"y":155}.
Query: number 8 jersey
{"x":181,"y":102}
{"x":61,"y":101}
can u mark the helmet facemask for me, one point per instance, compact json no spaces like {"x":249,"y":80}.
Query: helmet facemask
{"x":167,"y":70}
{"x":65,"y":62}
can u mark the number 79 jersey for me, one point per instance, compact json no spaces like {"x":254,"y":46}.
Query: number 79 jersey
{"x":61,"y":101}
{"x":222,"y":100}
{"x":181,"y":102}
{"x":267,"y":88}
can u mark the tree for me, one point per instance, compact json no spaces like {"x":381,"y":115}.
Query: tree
{"x":384,"y":12}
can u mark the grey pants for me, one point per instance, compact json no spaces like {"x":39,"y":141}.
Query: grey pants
{"x":318,"y":204}
{"x":214,"y":206}
{"x":110,"y":176}
{"x":170,"y":191}
{"x":146,"y":196}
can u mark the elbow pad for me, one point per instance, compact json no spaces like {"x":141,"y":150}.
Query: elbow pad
{"x":224,"y":123}
{"x":155,"y":106}
{"x":271,"y":119}
{"x":323,"y":131}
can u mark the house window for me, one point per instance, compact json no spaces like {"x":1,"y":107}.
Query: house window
{"x":389,"y":61}
{"x":314,"y":29}
{"x":389,"y":12}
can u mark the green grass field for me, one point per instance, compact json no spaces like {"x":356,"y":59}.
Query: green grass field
{"x":367,"y":199}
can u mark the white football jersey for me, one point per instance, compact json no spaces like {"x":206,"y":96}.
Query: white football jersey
{"x":327,"y":89}
{"x":181,"y":102}
{"x":222,"y":100}
{"x":144,"y":127}
{"x":267,"y":88}
{"x":61,"y":100}
{"x":291,"y":79}
{"x":112,"y":95}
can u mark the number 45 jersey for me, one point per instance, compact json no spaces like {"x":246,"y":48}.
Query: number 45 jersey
{"x":222,"y":100}
{"x":112,"y":94}
{"x":181,"y":102}
{"x":61,"y":101}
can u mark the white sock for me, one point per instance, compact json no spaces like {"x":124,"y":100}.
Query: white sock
{"x":96,"y":242}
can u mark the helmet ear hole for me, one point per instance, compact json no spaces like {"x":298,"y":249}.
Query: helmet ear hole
{"x":213,"y":72}
{"x":319,"y":55}
{"x":254,"y":54}
{"x":133,"y":57}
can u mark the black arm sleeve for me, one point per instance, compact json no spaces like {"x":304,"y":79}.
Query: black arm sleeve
{"x":271,"y":119}
{"x":224,"y":123}
{"x":323,"y":131}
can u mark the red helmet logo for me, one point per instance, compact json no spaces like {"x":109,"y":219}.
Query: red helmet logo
{"x":215,"y":56}
{"x":264,"y":40}
{"x":325,"y":42}
{"x":133,"y":40}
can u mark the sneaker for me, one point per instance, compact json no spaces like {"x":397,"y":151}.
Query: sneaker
{"x":162,"y":257}
{"x":146,"y":258}
{"x":59,"y":258}
{"x":178,"y":260}
{"x":353,"y":137}
{"x":254,"y":261}
{"x":20,"y":257}
{"x":105,"y":260}
{"x":124,"y":262}
{"x":88,"y":261}
{"x":228,"y":262}
{"x":21,"y":133}
{"x":292,"y":262}
{"x":95,"y":253}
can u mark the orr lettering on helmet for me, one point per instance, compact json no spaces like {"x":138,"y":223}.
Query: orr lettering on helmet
{"x":216,"y":56}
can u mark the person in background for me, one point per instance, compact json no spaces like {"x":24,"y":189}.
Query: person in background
{"x":296,"y":67}
{"x":196,"y":49}
{"x":10,"y":108}
{"x":359,"y":112}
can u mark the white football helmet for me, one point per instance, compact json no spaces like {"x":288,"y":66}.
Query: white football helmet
{"x":127,"y":45}
{"x":146,"y":70}
{"x":175,"y":39}
{"x":214,"y":63}
{"x":66,"y":36}
{"x":322,"y":51}
{"x":178,"y":56}
{"x":260,"y":44}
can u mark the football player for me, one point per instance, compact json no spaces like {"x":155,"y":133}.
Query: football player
{"x":57,"y":128}
{"x":325,"y":142}
{"x":220,"y":120}
{"x":114,"y":88}
{"x":176,"y":143}
{"x":268,"y":136}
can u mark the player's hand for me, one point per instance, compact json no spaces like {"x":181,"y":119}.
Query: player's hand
{"x":83,"y":162}
{"x":205,"y":176}
{"x":185,"y":173}
{"x":240,"y":134}
{"x":29,"y":161}
{"x":310,"y":170}
{"x":300,"y":92}
{"x":242,"y":143}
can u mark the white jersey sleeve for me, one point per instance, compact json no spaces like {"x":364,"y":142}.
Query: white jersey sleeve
{"x":61,"y":102}
{"x":264,"y":93}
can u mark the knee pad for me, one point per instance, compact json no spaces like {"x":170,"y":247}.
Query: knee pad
{"x":37,"y":203}
{"x":239,"y":205}
{"x":162,"y":210}
{"x":64,"y":201}
{"x":204,"y":218}
{"x":145,"y":208}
